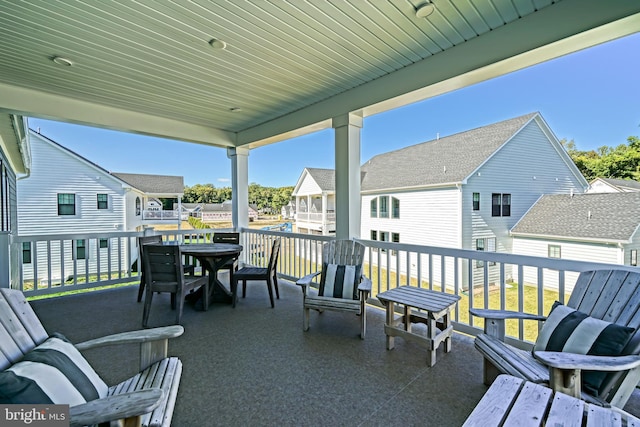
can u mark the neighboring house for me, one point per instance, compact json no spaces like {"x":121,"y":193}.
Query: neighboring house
{"x":315,"y":201}
{"x":213,"y":212}
{"x":597,"y":227}
{"x":610,"y":185}
{"x":288,"y":211}
{"x":68,"y":194}
{"x":461,"y":191}
{"x":154,"y":189}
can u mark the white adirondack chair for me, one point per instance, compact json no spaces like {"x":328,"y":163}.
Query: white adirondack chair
{"x":146,"y":399}
{"x":344,"y":253}
{"x":610,"y":295}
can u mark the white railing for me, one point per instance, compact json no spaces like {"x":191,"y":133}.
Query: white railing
{"x":315,"y":217}
{"x":529,"y":284}
{"x":160,"y":215}
{"x":498,"y":280}
{"x":64,"y":262}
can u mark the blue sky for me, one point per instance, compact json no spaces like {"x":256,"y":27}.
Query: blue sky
{"x":591,"y":97}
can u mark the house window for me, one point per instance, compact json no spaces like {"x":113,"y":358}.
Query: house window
{"x":384,"y":237}
{"x":506,"y":205}
{"x":103,"y":201}
{"x":476,"y":201}
{"x":66,"y":204}
{"x":554,"y":251}
{"x":479,"y":247}
{"x":500,"y":204}
{"x":137,"y":206}
{"x":634,"y":257}
{"x":374,"y":235}
{"x":395,"y":208}
{"x":395,"y":238}
{"x":384,"y":207}
{"x":81,"y":249}
{"x":374,"y":208}
{"x":104,"y":243}
{"x":26,"y":252}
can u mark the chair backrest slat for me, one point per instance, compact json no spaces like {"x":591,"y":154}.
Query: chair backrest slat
{"x":343,"y":252}
{"x":20,"y":328}
{"x":273,"y":258}
{"x":163,"y":263}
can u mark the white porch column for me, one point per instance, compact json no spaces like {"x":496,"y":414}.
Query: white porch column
{"x":239,"y":186}
{"x":347,"y":157}
{"x":179,"y":212}
{"x":325,"y":230}
{"x":5,"y":259}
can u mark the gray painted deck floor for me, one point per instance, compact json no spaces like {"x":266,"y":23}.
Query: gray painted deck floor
{"x":254,"y":366}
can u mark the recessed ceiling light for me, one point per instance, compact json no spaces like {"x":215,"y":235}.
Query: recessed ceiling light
{"x":62,"y":61}
{"x":217,"y":44}
{"x":425,"y":9}
{"x":235,"y":109}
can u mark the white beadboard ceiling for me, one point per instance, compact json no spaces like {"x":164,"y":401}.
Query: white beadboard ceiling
{"x":146,"y":66}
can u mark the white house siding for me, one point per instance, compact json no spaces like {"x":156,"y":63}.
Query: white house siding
{"x":571,"y":250}
{"x":56,"y":170}
{"x":602,"y":187}
{"x":427,"y":217}
{"x":526,"y":167}
{"x":133,"y":219}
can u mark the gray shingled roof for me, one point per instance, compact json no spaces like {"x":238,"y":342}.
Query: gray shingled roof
{"x":597,"y":216}
{"x":446,"y":160}
{"x":325,"y":178}
{"x":153,"y":184}
{"x":622,"y":183}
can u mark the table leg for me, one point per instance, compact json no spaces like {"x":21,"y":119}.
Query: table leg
{"x":407,"y":318}
{"x":390,"y":310}
{"x":447,"y":322}
{"x":432,"y":330}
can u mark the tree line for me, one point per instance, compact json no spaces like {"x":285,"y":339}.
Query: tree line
{"x":620,"y":162}
{"x":267,"y":199}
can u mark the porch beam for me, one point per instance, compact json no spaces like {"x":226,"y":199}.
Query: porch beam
{"x":347,"y":159}
{"x":239,"y":186}
{"x":43,"y":105}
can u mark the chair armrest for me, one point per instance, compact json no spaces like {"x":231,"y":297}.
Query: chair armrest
{"x":306,"y":280}
{"x":504,"y":314}
{"x":141,"y":336}
{"x":563,"y":360}
{"x":365,"y":284}
{"x":116,"y":407}
{"x":494,"y":324}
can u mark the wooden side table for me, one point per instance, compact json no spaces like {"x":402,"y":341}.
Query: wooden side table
{"x":435,"y":314}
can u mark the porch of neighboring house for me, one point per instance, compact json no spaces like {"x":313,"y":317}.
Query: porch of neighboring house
{"x":316,"y":214}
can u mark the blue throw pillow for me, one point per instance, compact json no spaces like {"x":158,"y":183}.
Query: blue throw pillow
{"x":54,"y":372}
{"x":571,"y":331}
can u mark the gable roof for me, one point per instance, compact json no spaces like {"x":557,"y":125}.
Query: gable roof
{"x":607,"y":217}
{"x":153,"y":184}
{"x":446,"y":160}
{"x":620,"y":184}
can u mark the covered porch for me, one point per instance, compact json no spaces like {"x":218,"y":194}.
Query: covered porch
{"x":253,"y":365}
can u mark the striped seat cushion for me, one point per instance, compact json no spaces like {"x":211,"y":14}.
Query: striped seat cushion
{"x":53,"y":372}
{"x":339,"y":281}
{"x":572,"y":331}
